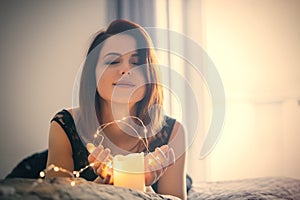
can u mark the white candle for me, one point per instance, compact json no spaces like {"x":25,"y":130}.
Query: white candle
{"x":129,"y":171}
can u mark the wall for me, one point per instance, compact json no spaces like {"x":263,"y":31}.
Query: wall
{"x":255,"y":46}
{"x":42,"y":45}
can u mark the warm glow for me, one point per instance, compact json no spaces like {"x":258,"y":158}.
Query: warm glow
{"x":76,"y":173}
{"x":130,"y":167}
{"x":254,"y":48}
{"x":73,"y":183}
{"x":56,"y":169}
{"x":42,"y":174}
{"x":150,"y":161}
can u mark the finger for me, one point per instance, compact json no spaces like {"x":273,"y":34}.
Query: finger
{"x":90,"y":147}
{"x":161,"y":158}
{"x":157,"y":162}
{"x":97,"y":151}
{"x":111,"y":181}
{"x":105,"y":163}
{"x":154,"y":174}
{"x":101,"y":157}
{"x":104,"y":170}
{"x":171,"y":156}
{"x":106,"y":180}
{"x":160,"y":153}
{"x":165,"y":148}
{"x":101,"y":170}
{"x":152,"y":160}
{"x":109,"y":159}
{"x":158,"y":174}
{"x":91,"y":158}
{"x":94,"y":157}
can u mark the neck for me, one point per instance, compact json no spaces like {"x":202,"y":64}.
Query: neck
{"x":115,"y":133}
{"x":111,"y":111}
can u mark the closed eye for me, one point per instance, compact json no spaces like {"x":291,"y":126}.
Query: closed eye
{"x":112,"y":62}
{"x":135,"y":60}
{"x":135,"y":63}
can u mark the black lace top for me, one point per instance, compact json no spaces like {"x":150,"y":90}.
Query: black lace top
{"x":80,"y":153}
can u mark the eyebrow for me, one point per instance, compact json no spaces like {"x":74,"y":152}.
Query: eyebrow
{"x":113,"y":54}
{"x":118,"y":54}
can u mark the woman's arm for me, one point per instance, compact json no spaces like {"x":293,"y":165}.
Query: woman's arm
{"x":173,"y":181}
{"x":59,"y":150}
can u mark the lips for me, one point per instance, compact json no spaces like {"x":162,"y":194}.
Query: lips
{"x":124,"y":83}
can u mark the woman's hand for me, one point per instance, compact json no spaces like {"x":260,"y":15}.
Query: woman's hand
{"x":156,"y":163}
{"x":102,"y":162}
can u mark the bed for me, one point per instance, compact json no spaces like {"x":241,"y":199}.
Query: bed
{"x":60,"y":188}
{"x":251,"y":189}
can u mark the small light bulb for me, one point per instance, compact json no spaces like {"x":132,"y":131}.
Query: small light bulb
{"x":56,"y":169}
{"x":109,"y":164}
{"x":145,"y":130}
{"x":140,"y":137}
{"x":73,"y":183}
{"x":150,"y":161}
{"x":92,"y":164}
{"x":95,"y":136}
{"x":42,"y":174}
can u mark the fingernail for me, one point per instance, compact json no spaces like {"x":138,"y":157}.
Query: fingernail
{"x":90,"y":147}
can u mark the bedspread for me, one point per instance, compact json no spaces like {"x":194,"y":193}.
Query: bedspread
{"x":266,"y":188}
{"x":61,"y":188}
{"x":273,"y":188}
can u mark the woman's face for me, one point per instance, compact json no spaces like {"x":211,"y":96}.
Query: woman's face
{"x":119,"y":77}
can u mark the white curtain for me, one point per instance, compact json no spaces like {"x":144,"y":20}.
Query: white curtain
{"x":139,"y":11}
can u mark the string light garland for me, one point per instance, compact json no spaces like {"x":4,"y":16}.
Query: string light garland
{"x":109,"y":164}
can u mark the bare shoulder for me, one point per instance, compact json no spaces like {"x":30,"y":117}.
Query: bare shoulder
{"x":57,"y":133}
{"x":57,"y":136}
{"x":178,"y":130}
{"x":175,"y":174}
{"x":178,"y":139}
{"x":59,"y":149}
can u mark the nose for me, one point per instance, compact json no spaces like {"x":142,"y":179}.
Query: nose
{"x":128,"y":72}
{"x":125,"y":68}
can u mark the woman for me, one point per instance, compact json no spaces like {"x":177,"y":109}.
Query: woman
{"x":120,"y":79}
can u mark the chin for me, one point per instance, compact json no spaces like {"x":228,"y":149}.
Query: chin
{"x":126,"y":101}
